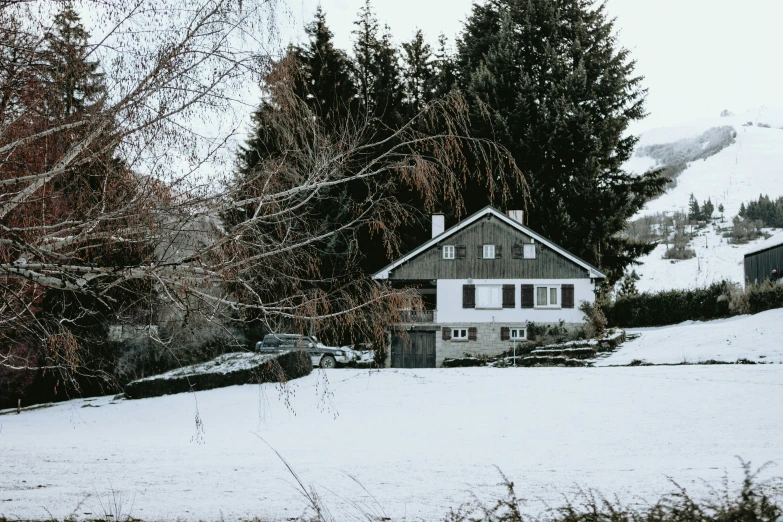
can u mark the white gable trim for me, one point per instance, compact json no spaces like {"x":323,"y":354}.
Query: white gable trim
{"x":384,"y":273}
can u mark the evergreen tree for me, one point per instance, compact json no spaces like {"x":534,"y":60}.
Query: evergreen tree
{"x":377,"y":70}
{"x":419,"y":73}
{"x":445,"y":69}
{"x":74,"y":83}
{"x":364,"y":49}
{"x":325,"y":82}
{"x":707,"y":209}
{"x":388,"y":92}
{"x":561,"y":95}
{"x":721,"y":210}
{"x":628,"y":286}
{"x":693,"y":208}
{"x":742,"y":210}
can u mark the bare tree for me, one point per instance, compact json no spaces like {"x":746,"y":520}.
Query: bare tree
{"x":114,"y":214}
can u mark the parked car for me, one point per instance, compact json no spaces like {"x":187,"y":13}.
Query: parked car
{"x":321,"y":355}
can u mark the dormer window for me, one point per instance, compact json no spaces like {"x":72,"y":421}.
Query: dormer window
{"x":489,"y":252}
{"x":449,"y":252}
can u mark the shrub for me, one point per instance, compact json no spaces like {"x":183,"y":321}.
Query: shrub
{"x":595,"y":317}
{"x":754,"y":501}
{"x":765,"y":296}
{"x":670,"y":307}
{"x":679,"y":253}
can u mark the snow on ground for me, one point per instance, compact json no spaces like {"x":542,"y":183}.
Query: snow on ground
{"x":753,"y":337}
{"x":226,"y":363}
{"x":716,"y":259}
{"x":419,"y":441}
{"x":737,"y":174}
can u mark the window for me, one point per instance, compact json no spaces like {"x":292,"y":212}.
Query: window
{"x":518,"y":334}
{"x":459,"y":334}
{"x":489,"y":296}
{"x":449,"y":252}
{"x":548,"y":296}
{"x":489,"y":251}
{"x":529,"y":251}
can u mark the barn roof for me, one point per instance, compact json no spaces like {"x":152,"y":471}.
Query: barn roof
{"x":594,"y":272}
{"x":772,"y":242}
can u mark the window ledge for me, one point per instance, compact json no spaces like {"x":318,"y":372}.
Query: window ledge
{"x":548,"y":307}
{"x":458,"y":340}
{"x":490,"y":308}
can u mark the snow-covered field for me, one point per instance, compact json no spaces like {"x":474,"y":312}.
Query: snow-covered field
{"x":753,"y":337}
{"x":419,"y":441}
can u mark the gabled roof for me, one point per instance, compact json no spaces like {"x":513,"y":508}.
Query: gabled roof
{"x":772,"y":242}
{"x":384,"y":272}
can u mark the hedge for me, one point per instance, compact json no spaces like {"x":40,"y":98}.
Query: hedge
{"x":285,"y":367}
{"x":716,"y":301}
{"x":670,"y":307}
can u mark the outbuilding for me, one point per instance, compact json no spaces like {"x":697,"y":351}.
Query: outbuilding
{"x":762,"y":259}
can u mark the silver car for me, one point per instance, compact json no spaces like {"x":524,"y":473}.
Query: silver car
{"x":321,"y":355}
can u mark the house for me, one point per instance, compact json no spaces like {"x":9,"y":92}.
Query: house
{"x":482,"y":281}
{"x":762,"y":259}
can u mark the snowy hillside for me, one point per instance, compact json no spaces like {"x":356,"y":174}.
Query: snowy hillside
{"x":407,"y":444}
{"x":725,"y":159}
{"x":752,"y":337}
{"x":715,"y":260}
{"x":753,"y":164}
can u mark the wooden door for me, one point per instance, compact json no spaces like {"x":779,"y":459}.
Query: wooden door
{"x":413,"y":350}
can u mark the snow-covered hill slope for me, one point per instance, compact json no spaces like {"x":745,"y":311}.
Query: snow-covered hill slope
{"x":753,"y":164}
{"x":756,"y":338}
{"x":716,"y":260}
{"x":730,"y":160}
{"x":417,"y":443}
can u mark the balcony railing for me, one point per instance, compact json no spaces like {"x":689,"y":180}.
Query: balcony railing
{"x":425,"y":316}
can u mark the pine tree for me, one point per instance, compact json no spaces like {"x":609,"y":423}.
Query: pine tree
{"x":742,"y":210}
{"x":75,"y":83}
{"x":562,"y":95}
{"x":707,"y":209}
{"x":419,"y":73}
{"x":628,"y":286}
{"x":326,"y":82}
{"x":377,"y":71}
{"x":445,"y":69}
{"x":388,"y":92}
{"x":693,"y":208}
{"x":364,"y":49}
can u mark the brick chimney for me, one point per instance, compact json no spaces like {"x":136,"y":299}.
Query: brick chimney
{"x":438,"y":224}
{"x":516,"y":215}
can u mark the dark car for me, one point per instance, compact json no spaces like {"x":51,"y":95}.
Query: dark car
{"x":320,"y":354}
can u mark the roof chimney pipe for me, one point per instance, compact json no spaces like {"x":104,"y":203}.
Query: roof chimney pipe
{"x":516,"y":215}
{"x":438,"y":224}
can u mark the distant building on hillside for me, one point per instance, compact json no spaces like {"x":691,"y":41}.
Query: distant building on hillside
{"x":762,"y":259}
{"x":482,"y":282}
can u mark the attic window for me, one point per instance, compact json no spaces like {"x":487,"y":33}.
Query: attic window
{"x":489,"y":252}
{"x":529,"y":251}
{"x":449,"y":252}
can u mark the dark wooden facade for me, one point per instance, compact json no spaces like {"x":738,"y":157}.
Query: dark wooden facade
{"x":759,"y":265}
{"x":430,"y":264}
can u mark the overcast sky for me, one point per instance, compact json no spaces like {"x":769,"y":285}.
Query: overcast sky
{"x":698,"y":56}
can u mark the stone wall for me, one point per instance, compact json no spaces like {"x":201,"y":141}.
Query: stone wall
{"x":487,"y":341}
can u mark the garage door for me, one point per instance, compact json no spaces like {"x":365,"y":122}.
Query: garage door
{"x":413,"y":350}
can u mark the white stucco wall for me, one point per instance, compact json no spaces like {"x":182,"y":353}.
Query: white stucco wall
{"x":450,"y":303}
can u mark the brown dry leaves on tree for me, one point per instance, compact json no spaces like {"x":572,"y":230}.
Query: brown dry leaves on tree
{"x":117,"y":214}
